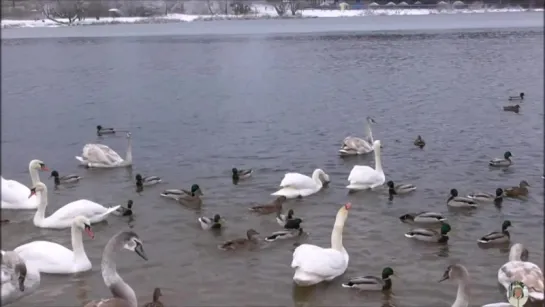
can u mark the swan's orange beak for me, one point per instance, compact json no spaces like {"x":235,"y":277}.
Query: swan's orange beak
{"x":44,"y":168}
{"x":348,"y":206}
{"x":32,"y":193}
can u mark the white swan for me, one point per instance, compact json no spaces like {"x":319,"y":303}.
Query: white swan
{"x":102,"y":156}
{"x":298,"y":185}
{"x":314,"y":264}
{"x":62,"y":218}
{"x":518,"y":269}
{"x":53,"y":258}
{"x":15,"y":194}
{"x":364,"y":177}
{"x":357,"y":146}
{"x":123,"y":294}
{"x":18,"y":278}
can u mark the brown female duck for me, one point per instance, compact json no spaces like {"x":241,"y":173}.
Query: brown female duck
{"x":521,"y":190}
{"x":251,"y":239}
{"x":275,"y":206}
{"x":156,"y":302}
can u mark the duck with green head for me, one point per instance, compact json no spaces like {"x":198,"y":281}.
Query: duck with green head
{"x":487,"y":197}
{"x":184,"y":196}
{"x":372,"y":283}
{"x":497,"y":237}
{"x":239,"y":174}
{"x":430,"y":235}
{"x":502,"y":162}
{"x":456,"y":201}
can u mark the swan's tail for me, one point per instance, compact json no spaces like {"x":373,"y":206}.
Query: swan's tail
{"x":81,"y":159}
{"x":110,"y":210}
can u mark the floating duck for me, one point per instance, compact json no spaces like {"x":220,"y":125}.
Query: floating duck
{"x":502,"y":162}
{"x":519,"y":97}
{"x":419,"y":142}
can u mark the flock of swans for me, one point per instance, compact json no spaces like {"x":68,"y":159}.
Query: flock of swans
{"x":22,"y":266}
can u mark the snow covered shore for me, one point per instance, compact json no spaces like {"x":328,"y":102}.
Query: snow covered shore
{"x":259,"y":13}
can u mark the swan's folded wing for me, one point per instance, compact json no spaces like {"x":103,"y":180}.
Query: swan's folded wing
{"x":99,"y":153}
{"x":319,"y":261}
{"x":527,"y":272}
{"x":44,"y":254}
{"x":361,"y":173}
{"x":83,"y":207}
{"x":357,"y":144}
{"x":297,"y":181}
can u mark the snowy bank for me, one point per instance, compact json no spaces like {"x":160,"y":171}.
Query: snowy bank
{"x":261,"y":12}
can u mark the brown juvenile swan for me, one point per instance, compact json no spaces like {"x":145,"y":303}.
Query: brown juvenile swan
{"x":123,"y":294}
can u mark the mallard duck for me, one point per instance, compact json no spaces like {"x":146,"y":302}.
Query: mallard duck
{"x":241,"y":173}
{"x":275,"y":206}
{"x":251,"y":239}
{"x":146,"y":181}
{"x":155,"y":303}
{"x":288,"y":221}
{"x":284,"y":234}
{"x":210,"y":223}
{"x":122,"y":211}
{"x":460,"y":202}
{"x":506,"y":161}
{"x":424,"y":217}
{"x":403,"y":188}
{"x":64,"y":179}
{"x":521,"y":190}
{"x":372,"y":283}
{"x":515,"y":108}
{"x":177,"y":193}
{"x":419,"y":142}
{"x":487,"y":197}
{"x":101,"y":130}
{"x":430,"y":235}
{"x":519,"y":97}
{"x":497,"y":237}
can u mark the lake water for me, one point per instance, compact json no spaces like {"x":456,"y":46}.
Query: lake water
{"x":279,"y":96}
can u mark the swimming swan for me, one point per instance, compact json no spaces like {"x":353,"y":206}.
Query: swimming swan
{"x":363,"y":177}
{"x":518,"y":269}
{"x":53,"y":258}
{"x":102,"y":156}
{"x":123,"y":294}
{"x":458,"y":273}
{"x":18,"y":278}
{"x":314,"y":264}
{"x":357,"y":146}
{"x":298,"y":185}
{"x":15,"y":194}
{"x":62,"y":218}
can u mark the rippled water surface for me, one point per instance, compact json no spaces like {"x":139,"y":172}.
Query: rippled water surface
{"x":199,"y":105}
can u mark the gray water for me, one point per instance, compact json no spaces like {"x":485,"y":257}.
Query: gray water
{"x":199,"y":104}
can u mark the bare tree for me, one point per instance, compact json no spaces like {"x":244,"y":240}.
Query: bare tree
{"x":294,"y":6}
{"x":70,"y":10}
{"x":280,"y":6}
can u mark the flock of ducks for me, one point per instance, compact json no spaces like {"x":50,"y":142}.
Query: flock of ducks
{"x":22,"y":266}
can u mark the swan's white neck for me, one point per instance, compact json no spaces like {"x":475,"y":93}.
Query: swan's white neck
{"x":316,"y":177}
{"x":77,"y":245}
{"x":128,"y":155}
{"x":42,"y":204}
{"x":337,"y":233}
{"x":378,"y":160}
{"x":111,"y":278}
{"x":515,"y":254}
{"x":34,"y":174}
{"x":462,"y":295}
